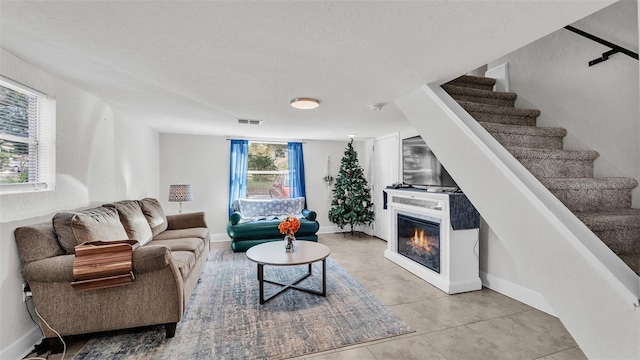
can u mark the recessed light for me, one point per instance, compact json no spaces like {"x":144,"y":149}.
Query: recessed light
{"x":305,"y":103}
{"x":352,"y":135}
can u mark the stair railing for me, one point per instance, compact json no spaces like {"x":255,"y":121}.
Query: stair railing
{"x":605,"y":56}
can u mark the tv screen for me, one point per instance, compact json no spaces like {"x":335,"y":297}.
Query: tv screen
{"x":420,"y":167}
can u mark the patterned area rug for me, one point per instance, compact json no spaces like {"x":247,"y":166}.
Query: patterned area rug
{"x":224,"y":319}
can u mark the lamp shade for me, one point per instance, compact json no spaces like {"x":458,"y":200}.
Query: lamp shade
{"x":180,"y":193}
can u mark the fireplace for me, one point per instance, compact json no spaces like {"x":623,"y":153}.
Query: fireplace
{"x":419,"y":240}
{"x":426,"y":242}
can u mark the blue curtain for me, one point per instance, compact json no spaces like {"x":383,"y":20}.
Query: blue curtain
{"x":238,"y":169}
{"x":296,"y":170}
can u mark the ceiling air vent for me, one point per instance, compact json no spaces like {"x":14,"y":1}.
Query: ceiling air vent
{"x":249,"y":122}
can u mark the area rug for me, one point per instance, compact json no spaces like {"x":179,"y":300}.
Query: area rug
{"x":224,"y":319}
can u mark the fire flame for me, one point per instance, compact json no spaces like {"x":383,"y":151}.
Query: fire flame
{"x":419,"y":241}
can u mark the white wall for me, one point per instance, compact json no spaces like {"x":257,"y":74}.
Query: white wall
{"x":210,"y":179}
{"x":598,"y":105}
{"x":100,"y":157}
{"x":203,"y":162}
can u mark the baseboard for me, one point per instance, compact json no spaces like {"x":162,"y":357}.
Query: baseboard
{"x":329,"y":230}
{"x":517,"y":292}
{"x":23,"y":346}
{"x":219,"y":237}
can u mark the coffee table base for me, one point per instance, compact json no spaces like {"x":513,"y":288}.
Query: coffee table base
{"x":293,"y":285}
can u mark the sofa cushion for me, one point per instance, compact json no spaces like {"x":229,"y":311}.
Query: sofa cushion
{"x":97,"y":224}
{"x":133,"y":220}
{"x":185,"y":261}
{"x":251,"y":208}
{"x":154,"y":213}
{"x":195,"y":245}
{"x":202,"y":233}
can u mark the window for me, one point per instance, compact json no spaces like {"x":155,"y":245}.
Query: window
{"x":268,"y":171}
{"x":27,"y":120}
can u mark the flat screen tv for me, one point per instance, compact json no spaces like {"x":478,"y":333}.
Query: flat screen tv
{"x":420,"y":167}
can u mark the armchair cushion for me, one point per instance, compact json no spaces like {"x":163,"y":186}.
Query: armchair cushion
{"x":96,"y":224}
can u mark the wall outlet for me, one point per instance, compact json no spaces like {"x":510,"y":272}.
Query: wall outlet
{"x":26,"y":292}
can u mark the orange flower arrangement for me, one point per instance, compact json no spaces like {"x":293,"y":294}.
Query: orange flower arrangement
{"x":289,"y":225}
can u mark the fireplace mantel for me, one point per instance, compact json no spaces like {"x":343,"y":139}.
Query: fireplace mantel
{"x":459,"y":252}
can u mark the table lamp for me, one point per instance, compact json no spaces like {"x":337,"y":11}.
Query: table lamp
{"x":180,"y":193}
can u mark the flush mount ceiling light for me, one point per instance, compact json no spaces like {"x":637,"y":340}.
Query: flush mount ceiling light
{"x":352,"y":135}
{"x":376,"y":107}
{"x":305,"y":103}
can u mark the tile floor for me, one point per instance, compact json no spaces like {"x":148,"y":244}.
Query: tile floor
{"x":475,"y":325}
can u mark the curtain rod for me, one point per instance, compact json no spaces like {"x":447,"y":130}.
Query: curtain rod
{"x":272,"y":141}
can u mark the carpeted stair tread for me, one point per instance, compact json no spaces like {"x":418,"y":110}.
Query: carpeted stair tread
{"x":555,"y":163}
{"x":523,"y":130}
{"x":499,"y":110}
{"x":556,"y":154}
{"x":632,"y":260}
{"x":619,"y":229}
{"x":475,"y":82}
{"x":616,"y":219}
{"x":591,"y":194}
{"x":464,"y":93}
{"x":526,"y":136}
{"x":616,"y":183}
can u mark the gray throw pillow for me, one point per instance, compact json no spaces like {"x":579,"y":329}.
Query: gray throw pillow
{"x":97,"y":224}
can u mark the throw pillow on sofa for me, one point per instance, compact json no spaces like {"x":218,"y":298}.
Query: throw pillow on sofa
{"x":97,"y":224}
{"x":133,"y":220}
{"x":154,"y":213}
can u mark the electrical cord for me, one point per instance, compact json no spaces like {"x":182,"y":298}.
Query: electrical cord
{"x":26,"y":304}
{"x":64,"y":345}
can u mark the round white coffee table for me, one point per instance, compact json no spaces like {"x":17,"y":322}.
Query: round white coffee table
{"x":305,"y":253}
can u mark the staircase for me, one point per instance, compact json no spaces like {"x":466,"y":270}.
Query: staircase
{"x":602,"y":204}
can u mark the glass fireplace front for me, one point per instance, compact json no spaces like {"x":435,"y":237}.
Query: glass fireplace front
{"x":419,"y":240}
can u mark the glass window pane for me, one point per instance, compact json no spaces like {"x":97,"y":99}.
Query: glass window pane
{"x":14,"y":162}
{"x":268,"y":171}
{"x":14,"y":112}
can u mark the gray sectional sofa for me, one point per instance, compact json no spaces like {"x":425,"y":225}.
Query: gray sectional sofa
{"x":167,"y":265}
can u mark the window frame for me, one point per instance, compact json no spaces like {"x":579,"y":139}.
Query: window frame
{"x":41,"y":140}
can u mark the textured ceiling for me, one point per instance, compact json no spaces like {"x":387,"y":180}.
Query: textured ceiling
{"x":197,"y":66}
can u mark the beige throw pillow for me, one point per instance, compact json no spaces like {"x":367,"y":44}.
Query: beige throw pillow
{"x":154,"y":213}
{"x":133,"y":220}
{"x":97,"y":224}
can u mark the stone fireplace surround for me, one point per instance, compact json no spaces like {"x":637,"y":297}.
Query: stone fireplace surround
{"x":459,"y":261}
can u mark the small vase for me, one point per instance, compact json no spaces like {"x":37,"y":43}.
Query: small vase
{"x":288,"y":243}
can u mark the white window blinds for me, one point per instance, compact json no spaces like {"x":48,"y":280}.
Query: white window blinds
{"x":27,"y":120}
